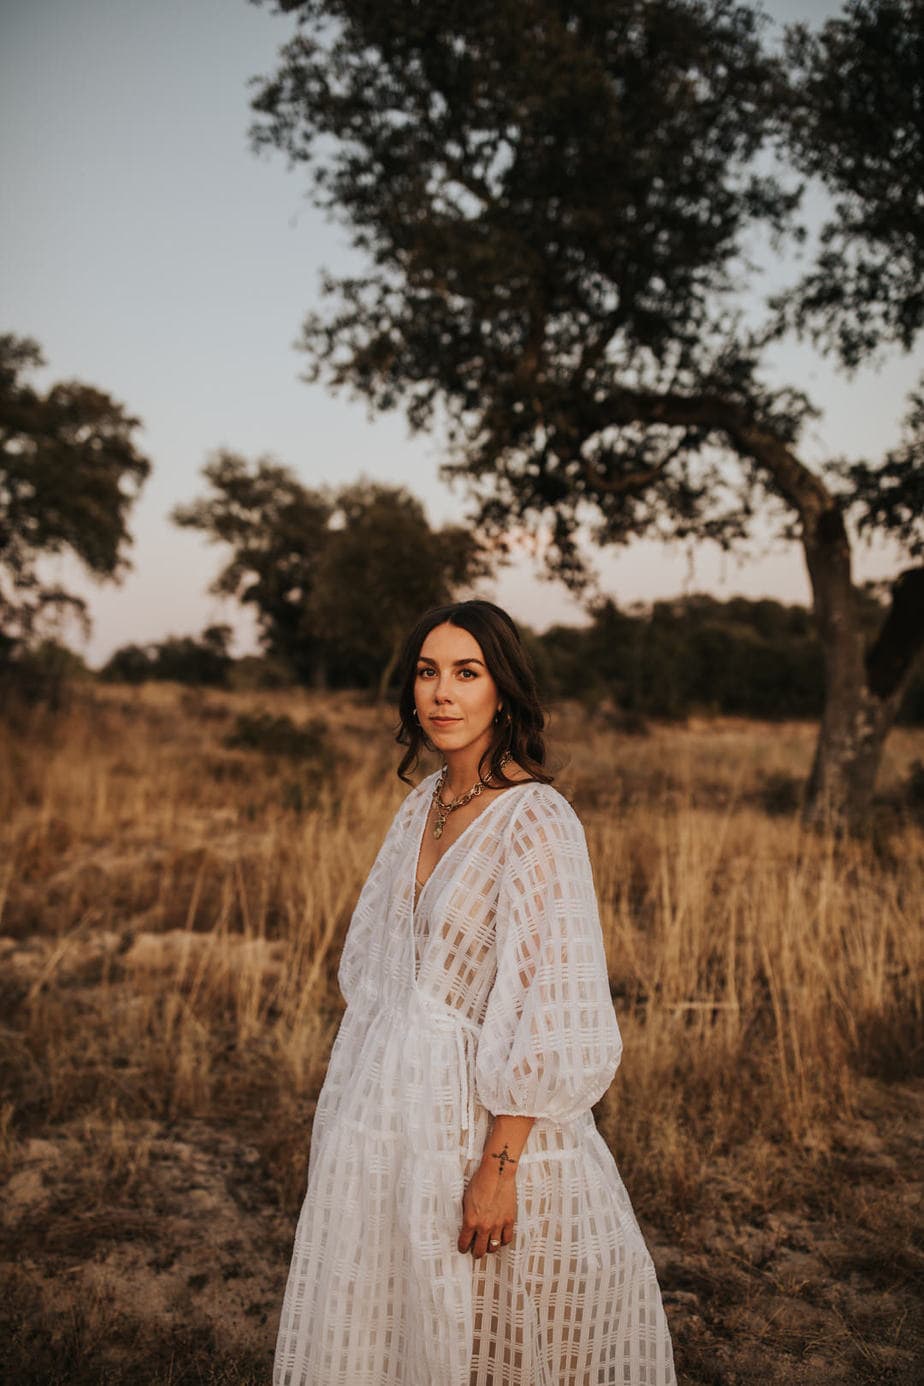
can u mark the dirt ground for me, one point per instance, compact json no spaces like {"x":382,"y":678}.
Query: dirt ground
{"x":821,"y":1285}
{"x":156,"y":1251}
{"x":168,"y":998}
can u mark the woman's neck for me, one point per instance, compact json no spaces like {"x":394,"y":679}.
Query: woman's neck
{"x":462,"y":770}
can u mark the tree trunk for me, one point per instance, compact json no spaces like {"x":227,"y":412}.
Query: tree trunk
{"x":838,"y":789}
{"x":386,"y":674}
{"x":862,"y":697}
{"x":863,"y":690}
{"x":848,"y":751}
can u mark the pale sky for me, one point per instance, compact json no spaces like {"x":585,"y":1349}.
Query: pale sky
{"x":152,"y":254}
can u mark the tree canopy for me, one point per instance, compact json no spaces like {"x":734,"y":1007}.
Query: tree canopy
{"x":69,"y":474}
{"x":381,"y":566}
{"x":556,"y":203}
{"x":335,"y":576}
{"x":204,"y":661}
{"x":553,"y":200}
{"x":275,"y":529}
{"x":855,"y":121}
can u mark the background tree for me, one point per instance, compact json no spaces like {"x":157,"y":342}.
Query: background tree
{"x":855,"y":122}
{"x":381,"y":567}
{"x":695,"y":654}
{"x":69,"y":475}
{"x":275,"y":529}
{"x":554,"y":202}
{"x":204,"y":661}
{"x":336,"y":577}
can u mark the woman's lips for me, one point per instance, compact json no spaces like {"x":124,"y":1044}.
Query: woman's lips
{"x":445,"y":721}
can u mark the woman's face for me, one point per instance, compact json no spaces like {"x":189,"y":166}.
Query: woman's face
{"x":455,"y":696}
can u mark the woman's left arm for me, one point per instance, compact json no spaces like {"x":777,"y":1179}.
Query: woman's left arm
{"x":489,"y":1206}
{"x":549,"y":1045}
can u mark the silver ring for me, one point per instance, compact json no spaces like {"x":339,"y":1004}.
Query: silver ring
{"x":493,"y":1243}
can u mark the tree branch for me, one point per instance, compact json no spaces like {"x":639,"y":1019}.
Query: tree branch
{"x":806,"y":492}
{"x":631,"y":481}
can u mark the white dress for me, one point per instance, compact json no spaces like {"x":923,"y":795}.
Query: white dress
{"x":490,"y":995}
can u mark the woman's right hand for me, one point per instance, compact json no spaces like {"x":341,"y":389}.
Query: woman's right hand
{"x":489,"y":1210}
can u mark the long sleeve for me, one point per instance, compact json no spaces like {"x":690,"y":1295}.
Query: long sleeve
{"x":550,"y":1043}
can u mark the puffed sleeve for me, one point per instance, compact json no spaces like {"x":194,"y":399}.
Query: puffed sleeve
{"x":550,"y":1043}
{"x":359,"y":957}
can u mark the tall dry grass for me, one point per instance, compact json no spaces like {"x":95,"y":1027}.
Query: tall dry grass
{"x":176,"y":909}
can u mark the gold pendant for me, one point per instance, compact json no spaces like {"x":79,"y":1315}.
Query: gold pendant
{"x":438,"y":829}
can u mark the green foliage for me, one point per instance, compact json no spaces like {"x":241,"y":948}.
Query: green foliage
{"x":130,"y":664}
{"x":891,"y":497}
{"x":382,"y":565}
{"x":556,"y":203}
{"x":736,"y":658}
{"x":69,"y":475}
{"x":278,"y":735}
{"x":274,"y":528}
{"x":694,"y":655}
{"x":252,"y":673}
{"x":855,"y":121}
{"x":40,"y":673}
{"x":180,"y":659}
{"x":336,"y":577}
{"x":551,"y":200}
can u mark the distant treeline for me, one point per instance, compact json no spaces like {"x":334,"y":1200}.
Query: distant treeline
{"x":693,"y":654}
{"x":697,"y":654}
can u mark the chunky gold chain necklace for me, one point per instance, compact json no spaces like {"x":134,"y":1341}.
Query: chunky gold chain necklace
{"x":444,"y":810}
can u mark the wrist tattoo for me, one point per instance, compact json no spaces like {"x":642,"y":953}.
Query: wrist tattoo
{"x":504,"y":1157}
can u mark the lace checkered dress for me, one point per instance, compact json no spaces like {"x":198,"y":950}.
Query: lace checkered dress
{"x":487,"y":995}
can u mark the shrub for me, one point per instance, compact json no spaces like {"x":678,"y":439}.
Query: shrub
{"x":279,"y":736}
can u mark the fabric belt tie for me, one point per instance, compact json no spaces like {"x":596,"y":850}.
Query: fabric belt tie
{"x":464,"y":1031}
{"x":466,"y":1092}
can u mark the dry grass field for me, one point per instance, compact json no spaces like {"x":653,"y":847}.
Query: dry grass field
{"x":172,"y":914}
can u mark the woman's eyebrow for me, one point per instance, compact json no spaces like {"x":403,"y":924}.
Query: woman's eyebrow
{"x":427,"y":660}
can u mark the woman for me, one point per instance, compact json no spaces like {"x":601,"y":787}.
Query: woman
{"x":465,"y":1223}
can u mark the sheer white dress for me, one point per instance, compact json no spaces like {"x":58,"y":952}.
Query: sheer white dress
{"x":488,"y":996}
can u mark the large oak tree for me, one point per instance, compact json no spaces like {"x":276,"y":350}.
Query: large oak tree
{"x":554,"y":202}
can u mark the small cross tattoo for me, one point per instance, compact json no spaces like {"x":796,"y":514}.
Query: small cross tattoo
{"x":505,"y":1158}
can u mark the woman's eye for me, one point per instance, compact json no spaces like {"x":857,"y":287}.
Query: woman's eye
{"x":426,"y":670}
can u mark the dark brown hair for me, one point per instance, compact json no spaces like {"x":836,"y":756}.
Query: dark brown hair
{"x":519,"y":729}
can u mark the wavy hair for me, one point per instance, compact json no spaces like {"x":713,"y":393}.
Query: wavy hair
{"x":520,"y":729}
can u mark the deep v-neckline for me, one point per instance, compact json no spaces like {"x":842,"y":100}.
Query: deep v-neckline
{"x":417,"y":895}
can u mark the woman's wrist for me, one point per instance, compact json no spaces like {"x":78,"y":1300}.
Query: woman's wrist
{"x":501,"y":1161}
{"x":505,"y":1143}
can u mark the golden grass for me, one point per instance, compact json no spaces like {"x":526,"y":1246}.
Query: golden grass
{"x":173,"y":913}
{"x":755,"y":965}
